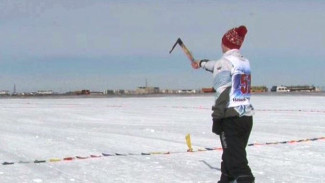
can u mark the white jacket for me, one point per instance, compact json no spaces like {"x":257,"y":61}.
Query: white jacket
{"x":232,"y":82}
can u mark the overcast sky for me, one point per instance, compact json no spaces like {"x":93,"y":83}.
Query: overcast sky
{"x":101,"y":44}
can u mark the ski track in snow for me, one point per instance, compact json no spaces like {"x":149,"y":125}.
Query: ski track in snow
{"x":56,"y":128}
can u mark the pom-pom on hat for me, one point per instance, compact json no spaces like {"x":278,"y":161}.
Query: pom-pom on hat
{"x":234,"y":38}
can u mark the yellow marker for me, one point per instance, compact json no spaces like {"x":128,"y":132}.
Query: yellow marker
{"x":55,"y":159}
{"x":188,"y":142}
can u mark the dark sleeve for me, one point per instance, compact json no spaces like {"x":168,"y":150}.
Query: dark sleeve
{"x":220,"y":105}
{"x":220,"y":108}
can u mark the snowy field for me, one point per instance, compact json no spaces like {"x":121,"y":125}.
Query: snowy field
{"x":52,"y":129}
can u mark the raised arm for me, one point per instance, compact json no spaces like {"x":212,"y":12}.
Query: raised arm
{"x":205,"y":64}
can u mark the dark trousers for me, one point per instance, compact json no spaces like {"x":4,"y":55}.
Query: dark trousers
{"x":234,"y":138}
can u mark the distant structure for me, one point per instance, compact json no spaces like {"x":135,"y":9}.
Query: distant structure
{"x":83,"y":92}
{"x":188,"y":91}
{"x":15,"y":91}
{"x":44,"y":92}
{"x":259,"y":89}
{"x":298,"y":88}
{"x":120,"y":92}
{"x":168,"y":91}
{"x":96,"y":93}
{"x":254,"y":89}
{"x":4,"y":93}
{"x":279,"y":89}
{"x":147,"y":90}
{"x":208,"y":90}
{"x":109,"y":92}
{"x":304,"y":88}
{"x":79,"y":92}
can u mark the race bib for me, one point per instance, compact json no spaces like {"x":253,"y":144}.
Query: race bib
{"x":241,"y":90}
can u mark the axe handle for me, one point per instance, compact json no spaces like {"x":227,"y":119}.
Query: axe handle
{"x":185,"y":50}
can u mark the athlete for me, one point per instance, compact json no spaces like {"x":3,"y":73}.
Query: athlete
{"x":232,"y":111}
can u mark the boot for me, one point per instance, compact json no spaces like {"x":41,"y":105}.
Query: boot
{"x":244,"y":179}
{"x":225,"y":178}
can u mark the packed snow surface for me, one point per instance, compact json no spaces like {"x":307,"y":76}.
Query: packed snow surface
{"x":43,"y":129}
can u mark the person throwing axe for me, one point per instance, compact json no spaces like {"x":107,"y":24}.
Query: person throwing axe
{"x":232,"y":111}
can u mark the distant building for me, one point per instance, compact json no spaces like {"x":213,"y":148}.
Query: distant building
{"x":208,"y":90}
{"x":85,"y":92}
{"x":298,"y":88}
{"x":109,"y":92}
{"x":96,"y":93}
{"x":119,"y":92}
{"x":147,"y":90}
{"x":130,"y":92}
{"x":15,"y":91}
{"x":44,"y":92}
{"x":302,"y":88}
{"x":82,"y":92}
{"x":259,"y":89}
{"x":168,"y":91}
{"x":187,"y":91}
{"x":254,"y":89}
{"x":4,"y":93}
{"x":27,"y":94}
{"x":279,"y":89}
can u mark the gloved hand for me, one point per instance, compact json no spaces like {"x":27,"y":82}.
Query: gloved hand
{"x":195,"y":64}
{"x":216,"y":126}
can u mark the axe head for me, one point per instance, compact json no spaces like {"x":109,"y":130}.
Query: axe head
{"x":179,"y":41}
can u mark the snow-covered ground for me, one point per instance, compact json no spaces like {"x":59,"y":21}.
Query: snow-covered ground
{"x":42,"y":129}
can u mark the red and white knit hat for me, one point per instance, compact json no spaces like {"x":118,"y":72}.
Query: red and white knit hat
{"x":234,"y":38}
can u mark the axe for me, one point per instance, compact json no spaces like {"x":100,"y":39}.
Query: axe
{"x":186,"y":51}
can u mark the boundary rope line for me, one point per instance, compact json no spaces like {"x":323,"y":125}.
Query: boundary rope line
{"x":190,"y":150}
{"x":272,"y":110}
